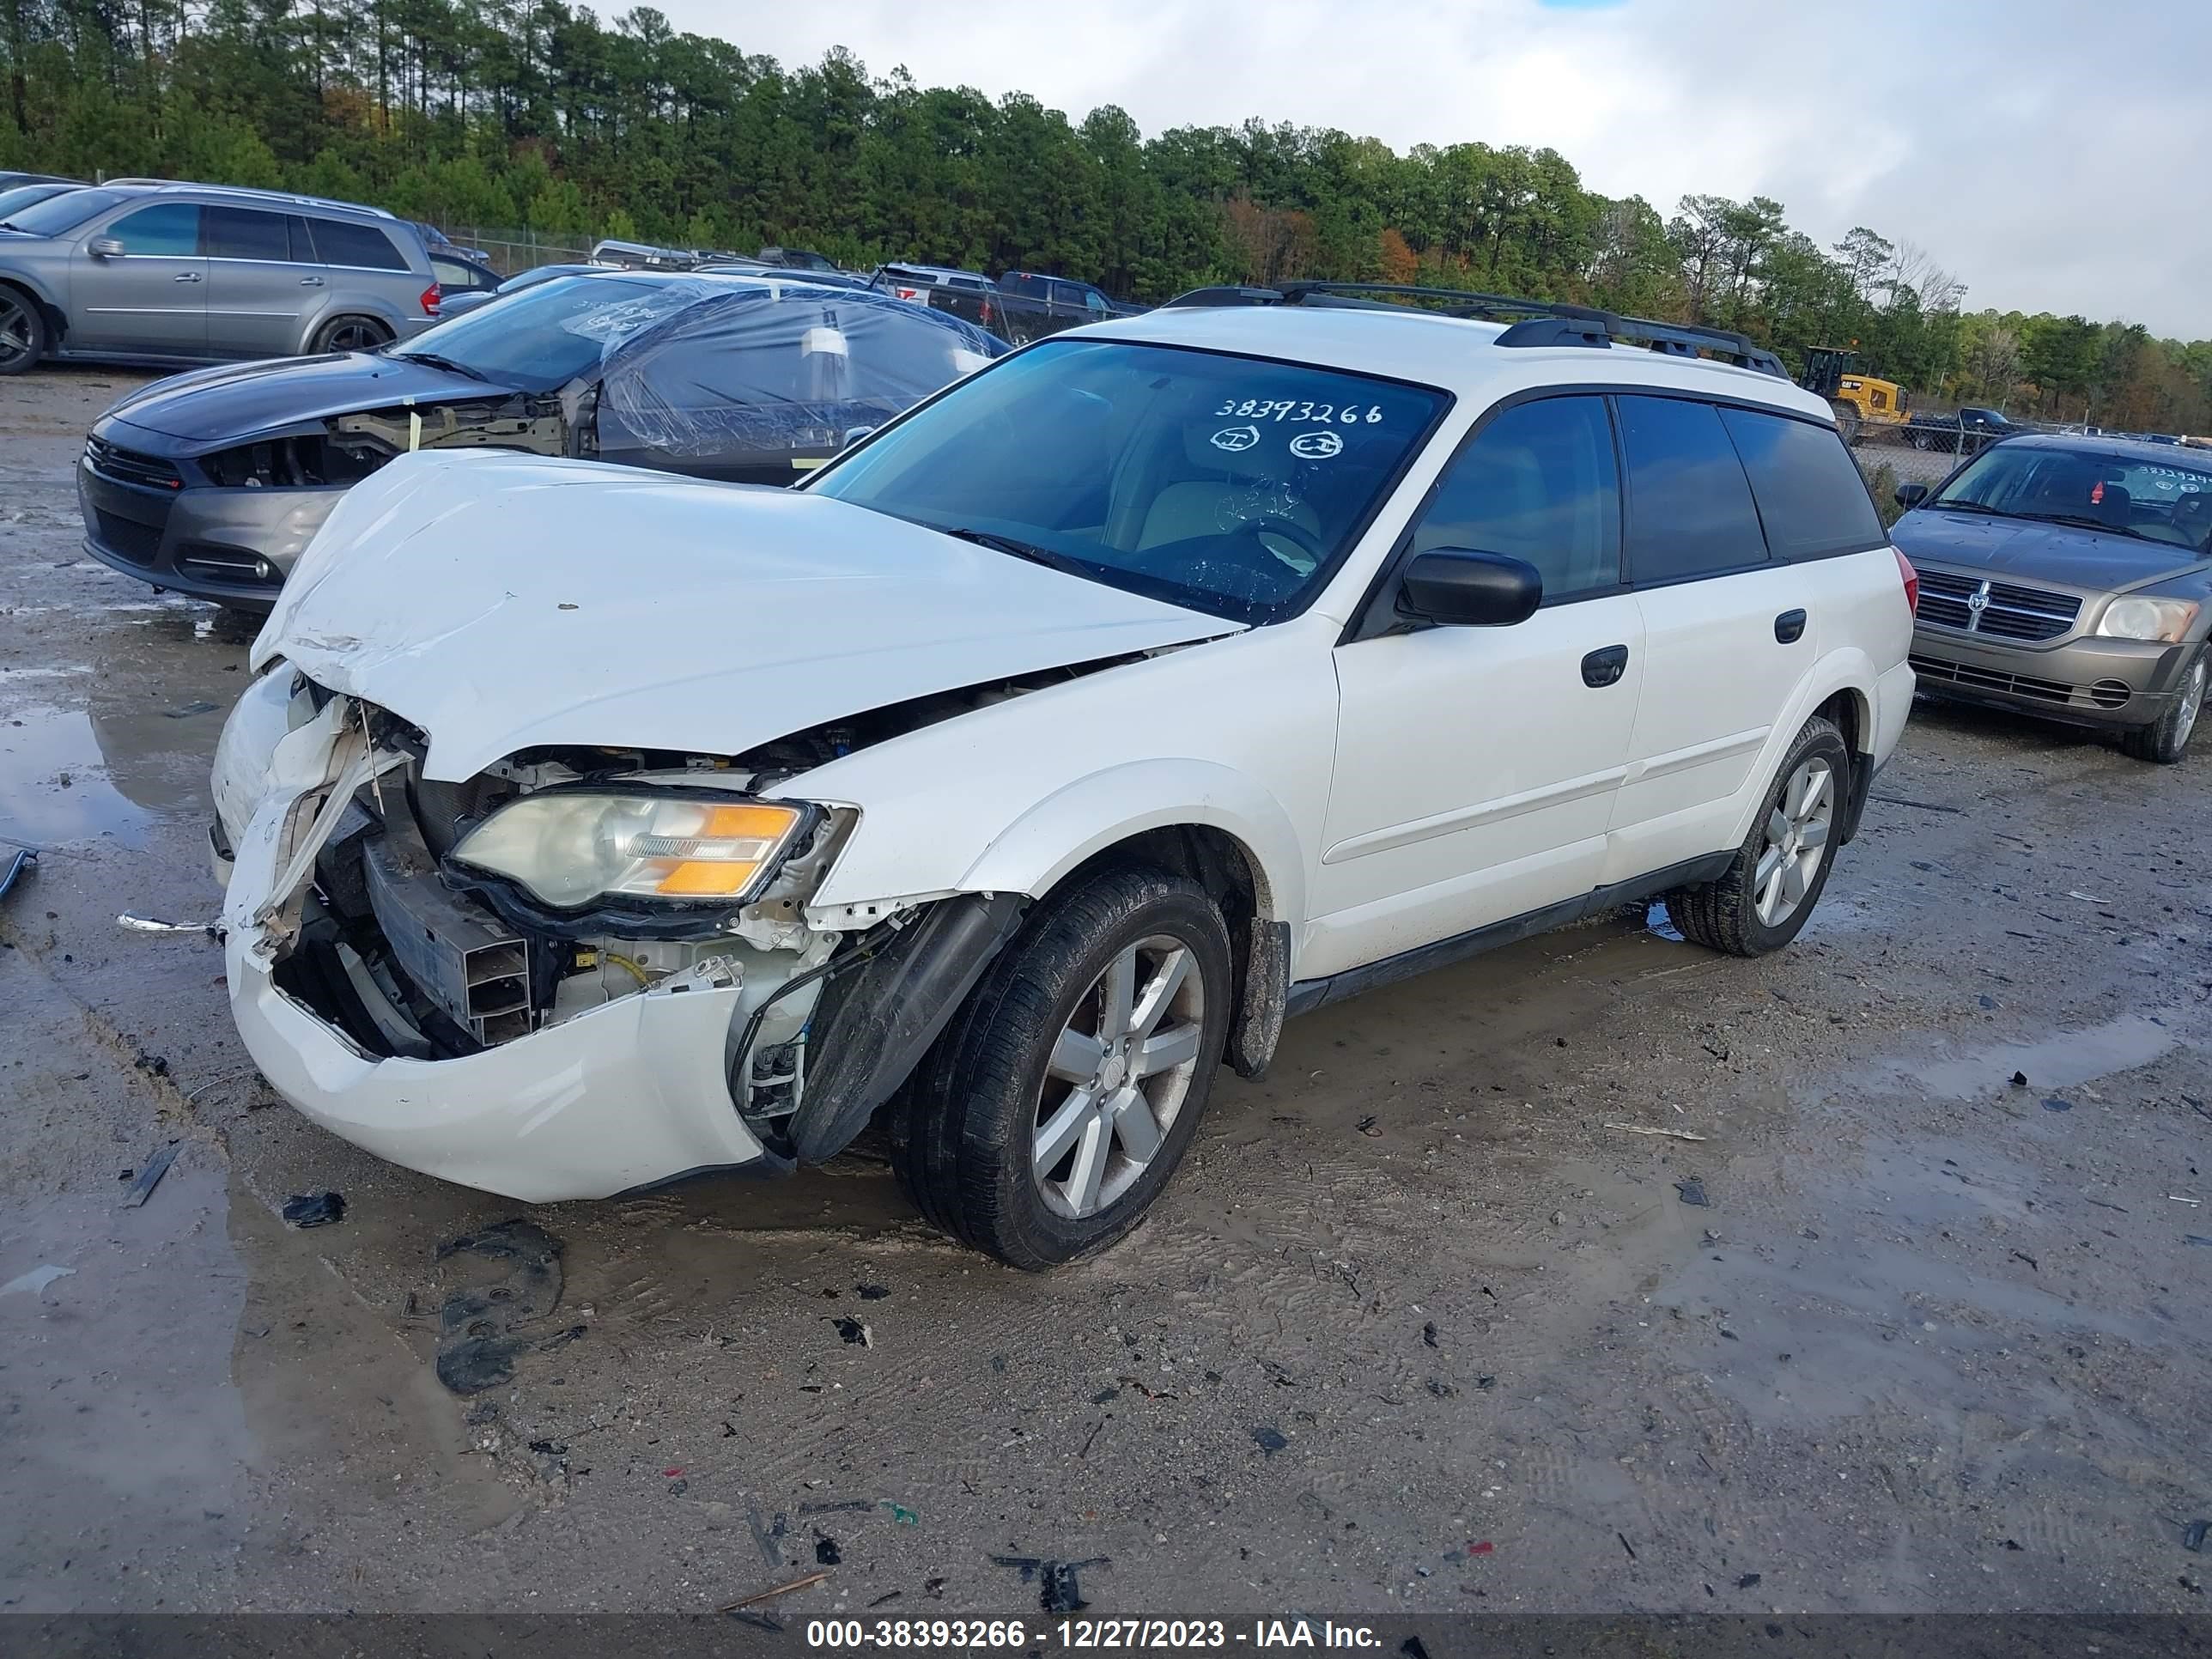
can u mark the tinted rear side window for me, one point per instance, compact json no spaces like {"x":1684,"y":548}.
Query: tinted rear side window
{"x":244,"y":234}
{"x":342,"y":244}
{"x":1690,"y":510}
{"x":1810,"y":495}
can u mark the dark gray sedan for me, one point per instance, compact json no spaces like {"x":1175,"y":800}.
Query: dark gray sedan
{"x":2069,"y":577}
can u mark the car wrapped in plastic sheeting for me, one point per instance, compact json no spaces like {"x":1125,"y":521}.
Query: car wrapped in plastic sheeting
{"x":213,"y":483}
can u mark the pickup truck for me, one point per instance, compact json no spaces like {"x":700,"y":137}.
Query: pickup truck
{"x":1966,"y":433}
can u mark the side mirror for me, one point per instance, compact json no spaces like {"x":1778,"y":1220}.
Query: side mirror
{"x":1456,"y":588}
{"x":105,"y":247}
{"x":1911,"y":494}
{"x":854,"y":434}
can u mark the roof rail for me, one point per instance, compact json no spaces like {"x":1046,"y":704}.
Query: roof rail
{"x":1537,"y":322}
{"x":255,"y":193}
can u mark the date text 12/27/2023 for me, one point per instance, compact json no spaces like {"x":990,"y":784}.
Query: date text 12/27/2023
{"x":1085,"y":1634}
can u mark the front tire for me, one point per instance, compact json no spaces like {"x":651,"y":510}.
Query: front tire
{"x":1762,"y":902}
{"x":2166,"y":739}
{"x":22,"y":331}
{"x":1051,"y":1112}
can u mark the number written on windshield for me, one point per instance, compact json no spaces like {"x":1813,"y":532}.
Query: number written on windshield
{"x":1290,"y":408}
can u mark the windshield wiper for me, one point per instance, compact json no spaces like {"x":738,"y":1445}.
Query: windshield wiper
{"x":1032,"y":553}
{"x":1972,"y":507}
{"x":2085,"y":522}
{"x":447,"y":363}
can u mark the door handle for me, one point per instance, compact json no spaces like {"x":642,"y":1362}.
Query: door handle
{"x":1789,"y":627}
{"x":311,"y":281}
{"x":1605,"y":667}
{"x":186,"y":276}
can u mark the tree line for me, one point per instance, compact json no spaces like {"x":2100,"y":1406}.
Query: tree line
{"x":536,"y":115}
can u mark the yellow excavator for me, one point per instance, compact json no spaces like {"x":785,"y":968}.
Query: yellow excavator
{"x":1858,"y":400}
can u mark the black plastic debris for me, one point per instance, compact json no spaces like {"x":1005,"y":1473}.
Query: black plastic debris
{"x":1692,"y":1191}
{"x":826,"y":1553}
{"x":1749,"y":1581}
{"x":1429,"y":1333}
{"x":1366,"y":1125}
{"x":485,"y":1323}
{"x":2053,"y":1103}
{"x":2197,"y":1239}
{"x":149,"y":1176}
{"x":871,"y":1292}
{"x":854,"y":1333}
{"x":1268,"y":1440}
{"x":315,"y":1209}
{"x":1058,"y":1590}
{"x":2193,"y":1536}
{"x":2019,"y":1079}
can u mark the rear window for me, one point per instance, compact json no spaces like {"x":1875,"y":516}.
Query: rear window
{"x":343,"y":244}
{"x":1812,"y":498}
{"x":1690,"y":510}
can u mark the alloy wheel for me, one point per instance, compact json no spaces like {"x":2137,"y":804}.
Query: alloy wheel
{"x":2192,"y":704}
{"x":1119,"y":1073}
{"x":356,"y":337}
{"x":1797,"y":831}
{"x":15,"y":330}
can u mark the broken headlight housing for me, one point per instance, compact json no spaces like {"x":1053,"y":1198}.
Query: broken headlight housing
{"x":570,"y":849}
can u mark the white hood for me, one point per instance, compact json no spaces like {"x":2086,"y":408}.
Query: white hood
{"x":502,"y":601}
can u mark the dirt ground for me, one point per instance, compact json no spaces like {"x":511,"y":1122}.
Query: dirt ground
{"x":1421,"y":1325}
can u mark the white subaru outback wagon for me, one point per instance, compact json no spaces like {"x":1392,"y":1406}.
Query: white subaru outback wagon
{"x":585,"y":829}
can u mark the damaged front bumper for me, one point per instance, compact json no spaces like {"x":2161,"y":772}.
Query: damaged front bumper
{"x":541,"y":1086}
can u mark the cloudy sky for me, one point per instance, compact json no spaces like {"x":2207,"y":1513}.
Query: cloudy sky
{"x":2052,"y":153}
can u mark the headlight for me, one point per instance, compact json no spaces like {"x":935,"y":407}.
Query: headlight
{"x":2147,"y":619}
{"x":569,"y":847}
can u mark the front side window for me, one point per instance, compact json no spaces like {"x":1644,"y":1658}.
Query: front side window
{"x":245,"y":234}
{"x":2151,"y":500}
{"x":1231,"y":485}
{"x":1812,"y":497}
{"x":1537,"y":483}
{"x":171,"y":228}
{"x":1690,"y":510}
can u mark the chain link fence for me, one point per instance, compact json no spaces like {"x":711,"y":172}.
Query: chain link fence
{"x":511,"y":250}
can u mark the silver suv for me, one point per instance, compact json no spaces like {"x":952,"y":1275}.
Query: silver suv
{"x":172,"y":273}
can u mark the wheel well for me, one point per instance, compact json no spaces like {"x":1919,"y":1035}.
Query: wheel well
{"x":1259,"y":950}
{"x":57,"y":325}
{"x":1847,"y":711}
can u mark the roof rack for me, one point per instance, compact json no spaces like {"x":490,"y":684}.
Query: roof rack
{"x":1535,"y":322}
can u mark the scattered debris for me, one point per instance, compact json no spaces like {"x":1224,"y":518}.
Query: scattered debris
{"x":2022,"y":1255}
{"x":826,"y":1553}
{"x":1429,"y":1333}
{"x":678,"y":1488}
{"x":2196,"y":1238}
{"x":480,"y":1324}
{"x":901,"y":1515}
{"x":1482,"y":1546}
{"x":888,"y":1595}
{"x":1987,"y":1001}
{"x":1485,"y":1383}
{"x":1693,"y":1192}
{"x":670,"y":1474}
{"x":1625,"y":1545}
{"x":1646,"y":1129}
{"x":2054,"y":1103}
{"x":1268,"y":1440}
{"x":2019,"y":1079}
{"x":2193,"y":1536}
{"x":185,"y":711}
{"x":871,"y":1292}
{"x":155,"y":924}
{"x":1061,"y":1593}
{"x":758,"y":1596}
{"x":1366,"y":1127}
{"x":21,"y":860}
{"x":2175,"y":1198}
{"x":853,"y":1506}
{"x":1749,"y":1581}
{"x":315,"y":1209}
{"x":36,"y":1280}
{"x":150,"y":1173}
{"x":2086,"y":899}
{"x":854,"y":1332}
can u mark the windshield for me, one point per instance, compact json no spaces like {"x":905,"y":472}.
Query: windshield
{"x":2149,"y":500}
{"x":546,"y":336}
{"x":12,"y":202}
{"x":64,"y":212}
{"x":1232,"y":485}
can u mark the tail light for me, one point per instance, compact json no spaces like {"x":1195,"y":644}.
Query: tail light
{"x":1911,"y":580}
{"x":431,"y":297}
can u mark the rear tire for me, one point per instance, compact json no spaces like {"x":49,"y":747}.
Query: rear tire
{"x":23,"y":334}
{"x":2166,"y":739}
{"x":351,"y":334}
{"x":1763,"y":900}
{"x":999,"y":1141}
{"x":1847,"y":420}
